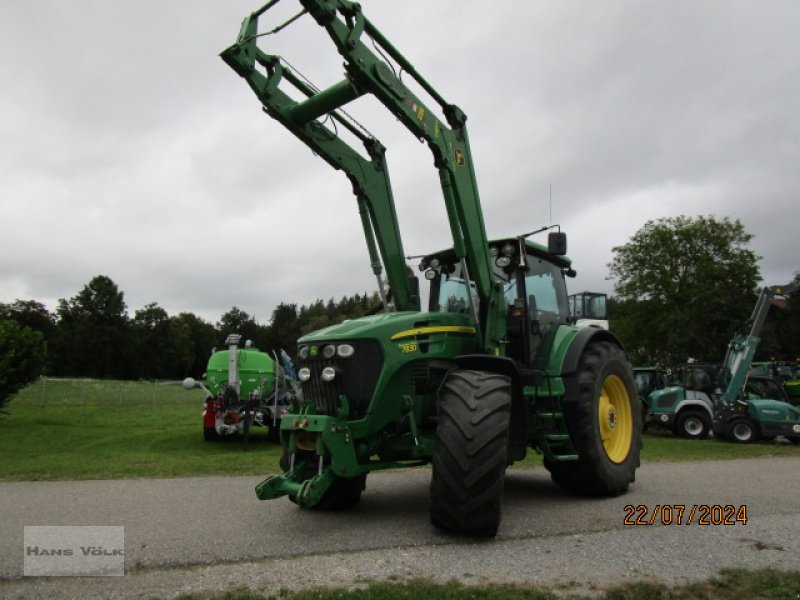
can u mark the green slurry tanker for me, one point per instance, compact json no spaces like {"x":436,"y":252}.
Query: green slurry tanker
{"x":492,"y":369}
{"x":244,"y":387}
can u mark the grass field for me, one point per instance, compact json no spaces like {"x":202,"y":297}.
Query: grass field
{"x":66,"y":429}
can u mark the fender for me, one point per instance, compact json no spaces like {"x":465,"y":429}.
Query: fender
{"x":696,"y":399}
{"x":579,"y":343}
{"x":569,"y":367}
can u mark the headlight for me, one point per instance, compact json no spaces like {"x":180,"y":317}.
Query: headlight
{"x":329,"y":351}
{"x":509,"y":249}
{"x":302,"y":352}
{"x":304,"y":374}
{"x":345,"y":350}
{"x":328,"y":374}
{"x":503,"y":261}
{"x":434,"y":263}
{"x":431,"y":275}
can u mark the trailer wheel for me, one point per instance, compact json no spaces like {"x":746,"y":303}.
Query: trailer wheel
{"x":605,"y":426}
{"x":274,"y":432}
{"x":742,"y":431}
{"x":469,"y":461}
{"x":693,"y":424}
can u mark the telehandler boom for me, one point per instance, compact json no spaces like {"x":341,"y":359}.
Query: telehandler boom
{"x":492,"y":368}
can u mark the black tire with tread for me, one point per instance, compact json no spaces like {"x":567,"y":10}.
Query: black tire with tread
{"x":594,"y":473}
{"x":689,"y":416}
{"x":210,"y":434}
{"x":274,"y":432}
{"x":739,"y":421}
{"x":470,"y":459}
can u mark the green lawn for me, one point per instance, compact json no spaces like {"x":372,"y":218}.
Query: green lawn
{"x":108,"y":430}
{"x":105,"y":430}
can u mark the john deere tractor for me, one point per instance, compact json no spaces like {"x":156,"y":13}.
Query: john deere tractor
{"x":492,"y":369}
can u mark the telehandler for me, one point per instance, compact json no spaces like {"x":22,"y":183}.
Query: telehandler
{"x":493,"y":368}
{"x":726,"y":403}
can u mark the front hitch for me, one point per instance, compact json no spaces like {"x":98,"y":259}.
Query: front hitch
{"x":305,"y":493}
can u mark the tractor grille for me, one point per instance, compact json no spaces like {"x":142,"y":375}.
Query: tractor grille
{"x":356,"y":377}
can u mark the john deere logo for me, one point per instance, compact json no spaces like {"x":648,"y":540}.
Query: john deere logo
{"x":313,"y":351}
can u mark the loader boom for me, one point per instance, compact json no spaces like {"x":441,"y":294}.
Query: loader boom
{"x":366,"y":73}
{"x":742,"y":347}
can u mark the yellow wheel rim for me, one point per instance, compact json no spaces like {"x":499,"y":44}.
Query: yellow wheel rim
{"x":615,"y":418}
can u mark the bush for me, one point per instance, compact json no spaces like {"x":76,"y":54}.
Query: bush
{"x":23,"y":353}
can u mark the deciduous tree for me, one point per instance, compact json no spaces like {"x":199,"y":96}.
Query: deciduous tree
{"x":22,"y":356}
{"x":684,"y":284}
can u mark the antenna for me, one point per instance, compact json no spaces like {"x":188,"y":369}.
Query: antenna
{"x":551,"y":203}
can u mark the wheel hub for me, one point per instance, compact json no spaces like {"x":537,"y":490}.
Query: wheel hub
{"x":615,"y":418}
{"x":611,"y":418}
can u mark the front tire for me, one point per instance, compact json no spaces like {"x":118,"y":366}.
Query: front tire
{"x":742,"y":431}
{"x":693,"y":425}
{"x":605,"y":425}
{"x":469,"y":462}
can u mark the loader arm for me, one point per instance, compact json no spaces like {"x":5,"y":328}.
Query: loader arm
{"x":742,"y":347}
{"x":366,"y":73}
{"x":369,"y":178}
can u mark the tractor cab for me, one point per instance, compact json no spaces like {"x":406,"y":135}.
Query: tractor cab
{"x":534,"y":291}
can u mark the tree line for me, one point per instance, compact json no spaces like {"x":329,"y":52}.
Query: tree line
{"x":92,"y":334}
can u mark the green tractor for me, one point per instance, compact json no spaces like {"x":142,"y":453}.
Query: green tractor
{"x":786,"y":372}
{"x":492,"y":369}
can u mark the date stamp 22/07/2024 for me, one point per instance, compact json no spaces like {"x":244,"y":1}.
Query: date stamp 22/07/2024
{"x":685,"y":514}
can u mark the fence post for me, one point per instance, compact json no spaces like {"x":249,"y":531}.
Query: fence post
{"x":42,"y":396}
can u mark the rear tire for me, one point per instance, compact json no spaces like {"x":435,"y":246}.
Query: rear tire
{"x":693,"y":425}
{"x":469,"y":462}
{"x":210,"y":434}
{"x":605,"y":425}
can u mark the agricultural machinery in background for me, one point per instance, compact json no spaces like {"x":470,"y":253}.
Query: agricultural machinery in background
{"x":787,"y":373}
{"x":589,"y":309}
{"x":244,"y":387}
{"x":495,"y":366}
{"x":737,"y":405}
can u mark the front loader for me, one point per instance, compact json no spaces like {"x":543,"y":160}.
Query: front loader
{"x":493,"y":368}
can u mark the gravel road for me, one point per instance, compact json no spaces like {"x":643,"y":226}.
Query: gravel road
{"x":204,"y":535}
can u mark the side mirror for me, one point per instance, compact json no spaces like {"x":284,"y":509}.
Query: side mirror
{"x":557,"y":243}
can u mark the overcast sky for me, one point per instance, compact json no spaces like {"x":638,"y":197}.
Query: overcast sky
{"x":130,"y":149}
